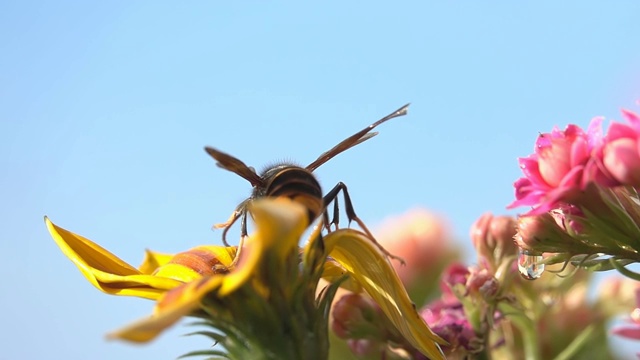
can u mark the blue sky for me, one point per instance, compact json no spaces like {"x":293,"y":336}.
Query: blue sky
{"x":105,"y":108}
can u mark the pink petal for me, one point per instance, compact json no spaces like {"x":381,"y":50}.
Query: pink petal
{"x":595,"y":171}
{"x":573,"y":131}
{"x":622,"y":160}
{"x":628,"y":332}
{"x":554,"y":164}
{"x":632,"y":118}
{"x":618,"y":130}
{"x":572,"y":179}
{"x":531,"y":170}
{"x":579,"y":152}
{"x":594,"y":133}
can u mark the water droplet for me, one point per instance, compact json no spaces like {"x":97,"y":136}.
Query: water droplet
{"x":528,"y":264}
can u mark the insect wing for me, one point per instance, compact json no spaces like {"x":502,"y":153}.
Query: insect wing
{"x":355,"y":139}
{"x":234,"y":165}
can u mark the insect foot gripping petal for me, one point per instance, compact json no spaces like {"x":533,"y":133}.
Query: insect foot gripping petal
{"x":351,"y":216}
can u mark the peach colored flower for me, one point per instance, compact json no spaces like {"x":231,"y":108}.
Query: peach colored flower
{"x":419,"y":237}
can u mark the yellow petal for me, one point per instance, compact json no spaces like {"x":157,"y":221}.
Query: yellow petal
{"x":197,"y":262}
{"x":172,"y":306}
{"x":79,"y":248}
{"x":210,"y":254}
{"x":106,"y":271}
{"x":280,"y":223}
{"x":371,"y":269}
{"x":153,"y":260}
{"x":332,"y":271}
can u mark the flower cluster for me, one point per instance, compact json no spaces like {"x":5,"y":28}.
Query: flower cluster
{"x":583,"y":190}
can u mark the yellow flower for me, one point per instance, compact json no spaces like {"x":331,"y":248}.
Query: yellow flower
{"x":267,"y":286}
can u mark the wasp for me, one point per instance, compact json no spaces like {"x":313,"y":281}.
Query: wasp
{"x":299,"y":184}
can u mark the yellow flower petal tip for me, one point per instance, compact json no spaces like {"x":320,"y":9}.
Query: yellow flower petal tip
{"x":277,"y":217}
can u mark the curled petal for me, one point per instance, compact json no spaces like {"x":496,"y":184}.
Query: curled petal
{"x":369,"y":267}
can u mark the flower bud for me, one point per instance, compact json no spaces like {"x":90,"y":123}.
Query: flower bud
{"x":356,"y":316}
{"x":492,"y":237}
{"x":541,"y":233}
{"x":482,"y":283}
{"x":454,"y":280}
{"x":566,"y":216}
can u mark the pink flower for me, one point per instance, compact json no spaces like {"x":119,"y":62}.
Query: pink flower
{"x":448,"y":319}
{"x":556,"y":171}
{"x":632,"y":331}
{"x":621,"y":152}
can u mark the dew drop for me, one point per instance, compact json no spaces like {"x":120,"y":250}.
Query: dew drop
{"x":528,"y":264}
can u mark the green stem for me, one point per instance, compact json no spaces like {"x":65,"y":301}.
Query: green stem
{"x":527,"y":328}
{"x":581,"y":340}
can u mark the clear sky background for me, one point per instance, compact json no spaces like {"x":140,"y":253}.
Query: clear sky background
{"x":105,"y":108}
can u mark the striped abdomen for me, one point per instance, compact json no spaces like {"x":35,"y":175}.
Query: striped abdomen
{"x":299,"y":185}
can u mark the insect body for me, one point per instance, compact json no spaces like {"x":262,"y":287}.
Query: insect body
{"x":298,"y":183}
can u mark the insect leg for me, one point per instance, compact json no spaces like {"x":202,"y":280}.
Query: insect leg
{"x":227,"y":225}
{"x":336,"y":213}
{"x":351,"y":216}
{"x":243,"y":224}
{"x":335,"y":219}
{"x":241,"y":210}
{"x":243,"y":234}
{"x":325,"y":220}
